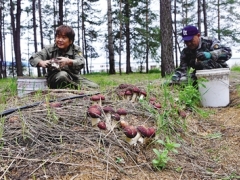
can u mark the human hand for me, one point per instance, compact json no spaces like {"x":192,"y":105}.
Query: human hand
{"x":176,"y":76}
{"x":63,"y":61}
{"x":201,"y":56}
{"x":45,"y":64}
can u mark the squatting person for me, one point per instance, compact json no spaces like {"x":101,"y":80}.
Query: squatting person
{"x":63,"y":61}
{"x":200,"y":53}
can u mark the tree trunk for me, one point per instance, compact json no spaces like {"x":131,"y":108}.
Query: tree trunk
{"x":147,"y":42}
{"x":41,"y":30}
{"x":127,"y":26}
{"x":175,"y":33}
{"x":60,"y":20}
{"x":218,"y":10}
{"x":120,"y":39}
{"x":35,"y":33}
{"x":205,"y":18}
{"x":110,"y":39}
{"x":1,"y":44}
{"x":15,"y":23}
{"x":199,"y":15}
{"x":167,"y":63}
{"x":84,"y":42}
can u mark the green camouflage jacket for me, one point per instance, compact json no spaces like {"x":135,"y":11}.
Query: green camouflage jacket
{"x":52,"y":52}
{"x":220,"y":54}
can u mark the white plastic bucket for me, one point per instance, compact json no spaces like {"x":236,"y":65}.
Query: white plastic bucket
{"x":214,"y":92}
{"x":27,"y":85}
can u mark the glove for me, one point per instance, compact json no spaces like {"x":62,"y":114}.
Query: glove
{"x":201,"y":56}
{"x":176,"y":76}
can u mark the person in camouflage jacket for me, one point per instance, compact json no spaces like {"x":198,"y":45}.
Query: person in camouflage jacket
{"x":200,"y":53}
{"x":63,"y":61}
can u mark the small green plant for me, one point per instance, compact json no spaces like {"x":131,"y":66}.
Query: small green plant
{"x":162,"y":159}
{"x":162,"y":155}
{"x":169,"y":145}
{"x":190,"y":96}
{"x":119,"y":160}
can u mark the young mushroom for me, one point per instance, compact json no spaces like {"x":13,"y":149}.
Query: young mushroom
{"x":94,"y":113}
{"x":128,"y":95}
{"x":102,"y":99}
{"x":146,"y":133}
{"x":102,"y":125}
{"x":108,"y":110}
{"x":135,"y":93}
{"x":143,"y":94}
{"x":115,"y":119}
{"x":95,"y":100}
{"x":131,"y":135}
{"x":122,"y":112}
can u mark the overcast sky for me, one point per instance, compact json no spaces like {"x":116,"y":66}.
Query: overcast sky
{"x":98,"y":46}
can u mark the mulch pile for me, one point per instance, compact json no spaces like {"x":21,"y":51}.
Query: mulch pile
{"x":50,"y":141}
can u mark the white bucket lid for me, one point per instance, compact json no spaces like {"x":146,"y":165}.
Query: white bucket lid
{"x":209,"y":72}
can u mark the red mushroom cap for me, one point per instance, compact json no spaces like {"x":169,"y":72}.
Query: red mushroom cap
{"x":157,"y":105}
{"x":122,"y":111}
{"x":95,"y":106}
{"x":143,"y":92}
{"x":151,"y":132}
{"x":128,"y":92}
{"x":102,"y":125}
{"x":108,"y":109}
{"x":123,"y":86}
{"x":152,"y":99}
{"x":95,"y":98}
{"x":143,"y":131}
{"x":135,"y":89}
{"x":115,"y":116}
{"x":182,"y":113}
{"x":55,"y":104}
{"x":130,"y":131}
{"x":102,"y":97}
{"x":94,"y":112}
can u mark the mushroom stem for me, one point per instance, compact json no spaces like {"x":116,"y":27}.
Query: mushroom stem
{"x":95,"y":121}
{"x":133,"y":141}
{"x":108,"y":121}
{"x":134,"y":96}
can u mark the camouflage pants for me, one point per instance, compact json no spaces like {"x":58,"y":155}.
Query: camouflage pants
{"x":62,"y":79}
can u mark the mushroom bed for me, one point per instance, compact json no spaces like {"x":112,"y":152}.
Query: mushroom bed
{"x":60,"y":140}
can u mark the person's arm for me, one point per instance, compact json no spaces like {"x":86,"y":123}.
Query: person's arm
{"x":39,"y":59}
{"x":216,"y":52}
{"x":182,"y":69}
{"x":219,"y":51}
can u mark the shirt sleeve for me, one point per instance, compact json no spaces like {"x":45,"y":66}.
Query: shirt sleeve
{"x":220,"y":52}
{"x":78,"y":60}
{"x":184,"y":64}
{"x":38,"y":56}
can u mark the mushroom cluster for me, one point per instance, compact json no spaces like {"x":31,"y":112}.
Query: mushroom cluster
{"x":97,"y":99}
{"x":138,"y":134}
{"x":106,"y":117}
{"x":131,"y":93}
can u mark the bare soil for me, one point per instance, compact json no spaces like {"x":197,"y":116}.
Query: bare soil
{"x":46,"y":142}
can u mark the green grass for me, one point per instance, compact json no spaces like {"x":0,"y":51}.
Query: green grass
{"x":106,"y":80}
{"x":235,"y":68}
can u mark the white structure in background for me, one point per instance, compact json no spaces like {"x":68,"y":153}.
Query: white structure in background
{"x":104,"y":67}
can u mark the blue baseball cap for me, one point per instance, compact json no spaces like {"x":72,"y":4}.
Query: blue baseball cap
{"x":188,"y":32}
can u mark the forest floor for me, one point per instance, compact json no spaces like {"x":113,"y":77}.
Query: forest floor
{"x":46,"y":142}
